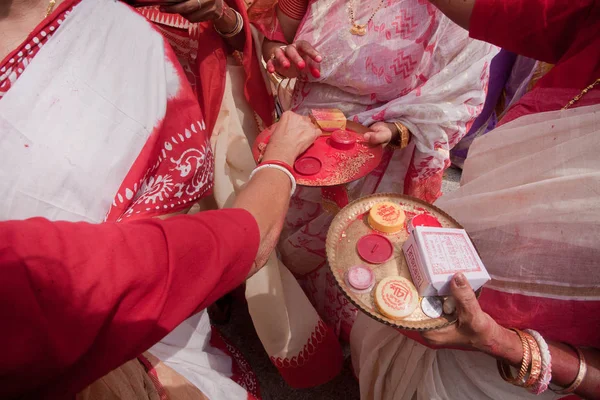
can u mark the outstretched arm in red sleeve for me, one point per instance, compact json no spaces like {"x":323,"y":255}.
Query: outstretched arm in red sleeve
{"x":540,"y":29}
{"x":78,"y":300}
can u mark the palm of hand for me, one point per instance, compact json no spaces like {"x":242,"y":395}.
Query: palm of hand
{"x":474,"y":329}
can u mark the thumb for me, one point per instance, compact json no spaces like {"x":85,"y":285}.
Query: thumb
{"x":466,"y":302}
{"x":378,"y":137}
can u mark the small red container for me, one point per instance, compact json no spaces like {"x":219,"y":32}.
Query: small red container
{"x":375,"y":248}
{"x":342,"y":140}
{"x":307,"y":166}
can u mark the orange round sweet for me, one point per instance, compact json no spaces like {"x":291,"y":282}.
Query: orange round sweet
{"x":396,"y":297}
{"x":387,"y":217}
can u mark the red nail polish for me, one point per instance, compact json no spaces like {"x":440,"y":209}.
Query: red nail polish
{"x":315,"y":72}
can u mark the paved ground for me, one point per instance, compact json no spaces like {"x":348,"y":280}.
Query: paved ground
{"x":241,"y":333}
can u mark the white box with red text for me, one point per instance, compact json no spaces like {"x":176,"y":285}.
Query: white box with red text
{"x":434,"y":255}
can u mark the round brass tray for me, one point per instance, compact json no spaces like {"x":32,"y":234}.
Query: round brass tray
{"x":349,"y":225}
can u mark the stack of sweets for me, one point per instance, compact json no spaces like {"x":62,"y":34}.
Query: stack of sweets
{"x":328,"y":120}
{"x":434,"y":255}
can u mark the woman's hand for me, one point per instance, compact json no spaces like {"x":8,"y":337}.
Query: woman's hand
{"x":291,"y":137}
{"x":475,"y":330}
{"x":381,"y":133}
{"x":197,"y":10}
{"x":292,"y":60}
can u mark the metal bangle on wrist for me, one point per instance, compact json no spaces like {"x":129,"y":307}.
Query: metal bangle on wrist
{"x":403,"y":138}
{"x":239,"y":25}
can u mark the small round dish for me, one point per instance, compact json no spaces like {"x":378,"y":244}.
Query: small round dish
{"x":307,"y":166}
{"x":374,"y":248}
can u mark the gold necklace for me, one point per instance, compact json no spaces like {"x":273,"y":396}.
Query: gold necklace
{"x":583,"y":93}
{"x":50,"y":8}
{"x":358,"y":29}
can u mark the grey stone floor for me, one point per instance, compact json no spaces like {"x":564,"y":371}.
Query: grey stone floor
{"x":240,"y":332}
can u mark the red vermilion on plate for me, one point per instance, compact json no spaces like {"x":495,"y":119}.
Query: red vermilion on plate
{"x":337,"y":166}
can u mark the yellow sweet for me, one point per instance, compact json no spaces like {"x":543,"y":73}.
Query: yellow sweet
{"x":387,"y":217}
{"x":396,"y":297}
{"x":329,"y":119}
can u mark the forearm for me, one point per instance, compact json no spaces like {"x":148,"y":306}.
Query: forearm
{"x":565,"y":366}
{"x":266,"y":197}
{"x":506,"y":346}
{"x":458,"y":11}
{"x":546,"y":30}
{"x":73,"y":290}
{"x":227,"y":23}
{"x":289,"y":25}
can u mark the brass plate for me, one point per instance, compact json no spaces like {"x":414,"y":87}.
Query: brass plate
{"x":349,"y":225}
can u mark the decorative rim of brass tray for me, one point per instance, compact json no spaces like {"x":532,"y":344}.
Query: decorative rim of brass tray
{"x":339,"y":225}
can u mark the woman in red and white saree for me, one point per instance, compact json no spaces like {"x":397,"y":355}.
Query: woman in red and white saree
{"x":99,"y":122}
{"x":528,"y":198}
{"x":413,"y":66}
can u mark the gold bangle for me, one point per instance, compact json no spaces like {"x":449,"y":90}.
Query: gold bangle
{"x":536,"y":361}
{"x":580,"y":374}
{"x":526,"y":358}
{"x":504,"y":368}
{"x":404,"y":134}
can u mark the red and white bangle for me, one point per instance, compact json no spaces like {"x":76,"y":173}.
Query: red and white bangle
{"x":280,"y":166}
{"x":545,"y":377}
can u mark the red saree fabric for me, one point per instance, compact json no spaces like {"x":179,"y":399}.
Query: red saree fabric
{"x":86,"y":298}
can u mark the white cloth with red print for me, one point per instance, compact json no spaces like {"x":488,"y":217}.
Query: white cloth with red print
{"x":413,"y":66}
{"x":98,"y":122}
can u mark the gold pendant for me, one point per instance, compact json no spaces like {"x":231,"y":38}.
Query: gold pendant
{"x":359,"y":30}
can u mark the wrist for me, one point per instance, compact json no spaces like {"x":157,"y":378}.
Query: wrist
{"x":226,"y":21}
{"x":503,"y":344}
{"x":279,"y":156}
{"x":394,"y":129}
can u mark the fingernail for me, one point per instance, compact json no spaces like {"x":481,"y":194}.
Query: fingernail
{"x":460,"y":280}
{"x":318,"y":58}
{"x":315,"y":72}
{"x":286,"y":65}
{"x":301,"y":64}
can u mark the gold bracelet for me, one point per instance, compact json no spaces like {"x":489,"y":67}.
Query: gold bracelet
{"x":504,"y":368}
{"x":580,"y":374}
{"x":536,"y":361}
{"x":404,"y":134}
